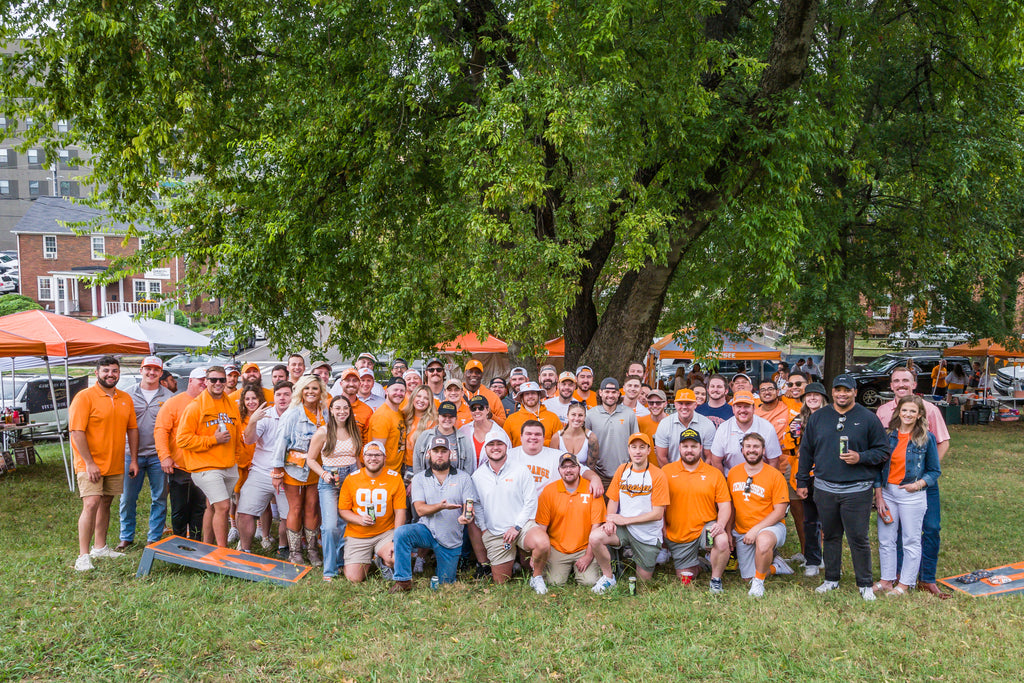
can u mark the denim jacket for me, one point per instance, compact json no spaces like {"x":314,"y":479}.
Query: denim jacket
{"x":293,"y":434}
{"x":922,"y":462}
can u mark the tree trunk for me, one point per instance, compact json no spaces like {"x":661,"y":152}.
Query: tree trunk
{"x":835,"y":353}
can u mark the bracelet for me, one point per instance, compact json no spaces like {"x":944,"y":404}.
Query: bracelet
{"x":275,"y":475}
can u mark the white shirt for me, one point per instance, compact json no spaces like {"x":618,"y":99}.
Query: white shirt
{"x":639,"y":409}
{"x":543,"y":466}
{"x":560,"y":409}
{"x":729,"y":435}
{"x":266,"y":437}
{"x":377,"y":391}
{"x":671,"y":427}
{"x":636,"y":505}
{"x":509,"y":496}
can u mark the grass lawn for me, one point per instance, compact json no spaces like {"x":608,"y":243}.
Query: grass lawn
{"x":183,"y":624}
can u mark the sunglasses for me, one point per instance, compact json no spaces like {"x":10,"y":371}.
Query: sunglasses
{"x":477,"y":409}
{"x":839,"y":425}
{"x":746,"y":487}
{"x":655,"y":403}
{"x":217,"y":380}
{"x":795,"y":384}
{"x":435,"y":369}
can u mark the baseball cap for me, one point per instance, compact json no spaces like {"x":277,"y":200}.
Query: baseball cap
{"x":567,"y":375}
{"x":657,"y":393}
{"x":478,"y":400}
{"x":743,"y":375}
{"x":518,"y":371}
{"x":452,"y":382}
{"x":815,"y":388}
{"x":642,"y":437}
{"x":250,"y":366}
{"x":231,"y":367}
{"x":368,"y":356}
{"x":323,"y":364}
{"x":366,"y":372}
{"x":474,"y":365}
{"x":447,"y":408}
{"x":610,"y":383}
{"x":499,"y":379}
{"x":690,"y":435}
{"x":686,"y":395}
{"x":399,"y":361}
{"x":497,"y":434}
{"x":392,"y":381}
{"x":844,"y":380}
{"x":742,"y":397}
{"x":432,"y":361}
{"x":152,"y":362}
{"x":198,"y":373}
{"x":568,"y":457}
{"x":373,"y":446}
{"x":440,"y":442}
{"x":350,"y":372}
{"x":529,"y":386}
{"x":410,"y":373}
{"x":584,"y":367}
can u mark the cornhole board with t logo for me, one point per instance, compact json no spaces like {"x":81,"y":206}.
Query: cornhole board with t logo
{"x":1005,"y":580}
{"x":210,"y":558}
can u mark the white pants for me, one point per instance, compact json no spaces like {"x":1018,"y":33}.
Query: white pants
{"x":907,"y":513}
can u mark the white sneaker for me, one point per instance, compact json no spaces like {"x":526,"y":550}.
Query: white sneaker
{"x":867,"y":593}
{"x":268,"y":543}
{"x":798,"y":559}
{"x":811,"y":570}
{"x":233,"y":535}
{"x":603,"y":584}
{"x":538,"y":585}
{"x":258,"y":536}
{"x":756,"y":588}
{"x":105,"y":551}
{"x":781,"y":566}
{"x":827,"y":586}
{"x":83,"y":563}
{"x":716,"y":587}
{"x":663,"y":556}
{"x":418,"y":565}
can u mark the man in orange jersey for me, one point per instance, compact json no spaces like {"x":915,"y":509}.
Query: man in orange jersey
{"x":388,"y":424}
{"x":698,"y":513}
{"x":796,"y":385}
{"x":760,"y":499}
{"x":210,"y":434}
{"x":472,"y":378}
{"x":584,"y":381}
{"x":100,"y":419}
{"x":531,"y":408}
{"x":187,"y":502}
{"x":372,"y":503}
{"x":568,"y":513}
{"x":637,"y":499}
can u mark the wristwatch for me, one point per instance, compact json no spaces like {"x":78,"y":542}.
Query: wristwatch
{"x":517,"y":528}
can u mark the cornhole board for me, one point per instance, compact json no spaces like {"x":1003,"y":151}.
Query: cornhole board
{"x":211,"y":558}
{"x":1005,"y":580}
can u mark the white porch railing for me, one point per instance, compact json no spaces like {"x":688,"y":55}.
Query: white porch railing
{"x":133,"y":307}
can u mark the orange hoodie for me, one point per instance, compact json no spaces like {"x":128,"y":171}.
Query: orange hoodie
{"x":197,"y":430}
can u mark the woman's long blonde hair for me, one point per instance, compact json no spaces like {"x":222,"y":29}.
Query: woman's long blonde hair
{"x":919,"y":432}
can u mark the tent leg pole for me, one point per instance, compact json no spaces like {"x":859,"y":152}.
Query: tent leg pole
{"x":60,"y":427}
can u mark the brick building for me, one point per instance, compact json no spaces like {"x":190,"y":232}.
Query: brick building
{"x":58,"y":265}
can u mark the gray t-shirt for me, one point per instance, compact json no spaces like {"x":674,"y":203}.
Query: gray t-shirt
{"x":457,"y":487}
{"x":613,"y":431}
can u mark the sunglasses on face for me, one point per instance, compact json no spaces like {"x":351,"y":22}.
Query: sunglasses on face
{"x":655,"y":403}
{"x":435,"y":369}
{"x":795,"y":384}
{"x":476,"y":409}
{"x":216,"y":380}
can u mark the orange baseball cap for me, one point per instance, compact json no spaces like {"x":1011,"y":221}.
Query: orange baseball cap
{"x":643,"y":437}
{"x":686,"y":395}
{"x":349,"y":372}
{"x":474,"y":364}
{"x":742,"y":397}
{"x":250,"y":366}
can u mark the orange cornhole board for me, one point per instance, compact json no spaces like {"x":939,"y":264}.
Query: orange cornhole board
{"x":1005,"y":580}
{"x":210,"y":558}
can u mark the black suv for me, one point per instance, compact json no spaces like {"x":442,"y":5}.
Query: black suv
{"x":873,"y":378}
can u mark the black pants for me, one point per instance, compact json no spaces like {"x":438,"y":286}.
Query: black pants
{"x":188,"y":503}
{"x":849,"y":513}
{"x":812,"y":529}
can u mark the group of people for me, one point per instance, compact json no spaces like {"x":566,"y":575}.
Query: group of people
{"x":565,"y":477}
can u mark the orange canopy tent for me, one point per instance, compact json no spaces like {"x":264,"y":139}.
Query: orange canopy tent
{"x":555,"y":347}
{"x":13,"y":345}
{"x":67,"y":337}
{"x":469,"y":343}
{"x":726,"y":349}
{"x":491,"y":352}
{"x":985,"y":348}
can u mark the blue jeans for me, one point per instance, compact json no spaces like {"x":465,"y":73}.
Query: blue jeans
{"x":332,"y":526}
{"x":412,"y":536}
{"x":929,"y":537}
{"x":148,"y":466}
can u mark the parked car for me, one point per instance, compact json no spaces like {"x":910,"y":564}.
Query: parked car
{"x":31,"y":394}
{"x":184,"y":363}
{"x":1009,"y":379}
{"x":873,"y":378}
{"x":8,"y":284}
{"x":930,"y":336}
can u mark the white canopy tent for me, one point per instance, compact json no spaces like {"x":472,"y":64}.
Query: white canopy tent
{"x":162,"y":336}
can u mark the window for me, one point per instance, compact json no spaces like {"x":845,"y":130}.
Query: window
{"x":142,"y":243}
{"x":5,"y":188}
{"x":62,"y":126}
{"x":68,"y":188}
{"x":44,"y":285}
{"x":49,"y":246}
{"x":33,"y":157}
{"x":33,"y":188}
{"x":881,"y":312}
{"x":3,"y":123}
{"x":99,"y":252}
{"x":146,"y":289}
{"x":3,"y":157}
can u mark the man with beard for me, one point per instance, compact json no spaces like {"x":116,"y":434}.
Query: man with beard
{"x":584,"y":381}
{"x":727,"y":448}
{"x":188,"y":503}
{"x":543,"y":461}
{"x":251,"y":376}
{"x":388,"y":424}
{"x":531,"y":408}
{"x":398,"y":367}
{"x":612,"y":423}
{"x":559,"y":403}
{"x":568,"y":513}
{"x":671,"y":428}
{"x":100,"y":420}
{"x":348,"y":385}
{"x":698,"y":512}
{"x":439,"y":496}
{"x":472,"y":377}
{"x":548,"y":377}
{"x":516,"y":378}
{"x":760,"y":499}
{"x":278,"y":374}
{"x":716,"y":409}
{"x":460,"y":446}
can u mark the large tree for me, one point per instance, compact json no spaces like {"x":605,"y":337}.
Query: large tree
{"x":412,"y":171}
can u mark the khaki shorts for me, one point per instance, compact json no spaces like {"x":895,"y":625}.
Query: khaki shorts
{"x":218,"y":484}
{"x":111,"y":485}
{"x":495,"y":545}
{"x":684,"y":555}
{"x":362,"y":550}
{"x":560,"y":565}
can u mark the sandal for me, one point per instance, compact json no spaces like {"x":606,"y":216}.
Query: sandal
{"x":882,"y":586}
{"x":896,"y":591}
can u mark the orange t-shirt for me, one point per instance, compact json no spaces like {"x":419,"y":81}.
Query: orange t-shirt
{"x":780,"y":416}
{"x":648,"y":426}
{"x":767,"y":490}
{"x":268,"y":395}
{"x":388,"y":426}
{"x":165,"y":432}
{"x":497,"y":409}
{"x":247,"y":449}
{"x":197,"y":430}
{"x":898,"y":460}
{"x":514,"y":424}
{"x":363,"y":413}
{"x":385,"y":493}
{"x":105,"y":419}
{"x":569,"y":517}
{"x":591,"y":400}
{"x":694,"y":498}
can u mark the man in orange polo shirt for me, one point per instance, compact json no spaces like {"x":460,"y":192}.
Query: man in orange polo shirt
{"x":472,"y":385}
{"x":100,"y":419}
{"x":388,"y":424}
{"x":698,"y":512}
{"x":531,"y":408}
{"x":568,"y":513}
{"x":210,"y":435}
{"x":187,"y":502}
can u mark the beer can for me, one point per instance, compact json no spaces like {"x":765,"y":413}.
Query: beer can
{"x":371,"y":512}
{"x":632,"y":585}
{"x":709,"y":540}
{"x":468,"y":512}
{"x":435,"y":583}
{"x":844,"y":445}
{"x":221,"y":427}
{"x":886,"y":516}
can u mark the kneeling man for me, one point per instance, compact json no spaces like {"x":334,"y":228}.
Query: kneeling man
{"x":568,"y":512}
